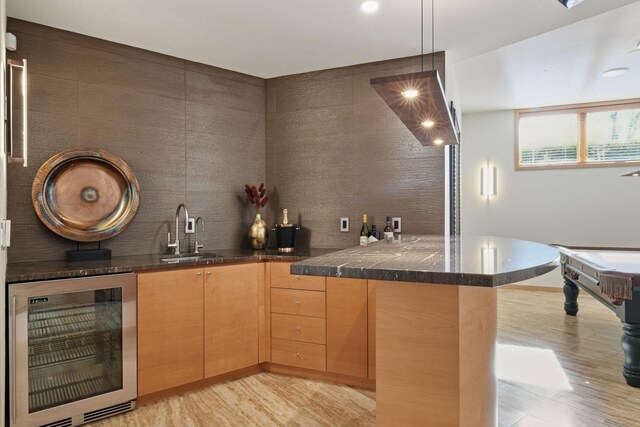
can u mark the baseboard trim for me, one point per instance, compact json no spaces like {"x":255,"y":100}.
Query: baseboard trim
{"x":230,"y":376}
{"x":366,"y":383}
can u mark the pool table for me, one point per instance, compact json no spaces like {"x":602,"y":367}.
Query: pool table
{"x":611,"y":276}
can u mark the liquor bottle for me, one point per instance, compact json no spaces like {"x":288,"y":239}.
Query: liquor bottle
{"x":364,"y":231}
{"x":374,"y":232}
{"x":388,"y":231}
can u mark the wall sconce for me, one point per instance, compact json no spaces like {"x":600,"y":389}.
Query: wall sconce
{"x":488,"y":181}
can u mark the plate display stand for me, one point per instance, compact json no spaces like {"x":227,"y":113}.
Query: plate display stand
{"x":86,"y":195}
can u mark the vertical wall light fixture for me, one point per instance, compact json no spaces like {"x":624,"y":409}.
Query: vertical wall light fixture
{"x":488,"y":181}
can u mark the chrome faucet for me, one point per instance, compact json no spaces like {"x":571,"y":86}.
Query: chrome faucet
{"x":176,"y":243}
{"x":198,"y":246}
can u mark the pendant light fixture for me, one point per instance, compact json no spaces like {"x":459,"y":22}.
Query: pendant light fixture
{"x":418,"y":99}
{"x":570,"y":3}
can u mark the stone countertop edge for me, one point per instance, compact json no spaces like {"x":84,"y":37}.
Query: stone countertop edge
{"x":422,"y":259}
{"x":32,"y":271}
{"x":441,"y":278}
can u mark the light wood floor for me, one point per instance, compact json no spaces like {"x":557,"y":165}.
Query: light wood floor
{"x":587,"y":348}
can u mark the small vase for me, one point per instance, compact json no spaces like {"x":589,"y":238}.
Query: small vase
{"x":258,"y":233}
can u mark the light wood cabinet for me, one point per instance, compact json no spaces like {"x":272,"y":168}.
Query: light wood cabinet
{"x":300,"y":303}
{"x":298,"y":328}
{"x":170,"y":329}
{"x":371,"y":326}
{"x":298,"y":325}
{"x":231,"y":311}
{"x":347,"y":317}
{"x":299,"y":354}
{"x":282,"y":278}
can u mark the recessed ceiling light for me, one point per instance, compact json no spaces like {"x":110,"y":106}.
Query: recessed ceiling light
{"x":410,"y":93}
{"x":369,"y":6}
{"x":615,"y":72}
{"x":635,"y":49}
{"x":438,"y":141}
{"x":428,"y":124}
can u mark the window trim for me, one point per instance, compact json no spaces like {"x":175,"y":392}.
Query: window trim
{"x":581,"y":110}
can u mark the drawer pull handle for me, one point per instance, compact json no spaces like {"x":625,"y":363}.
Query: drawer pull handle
{"x":199,"y":273}
{"x":298,"y":302}
{"x":298,"y":329}
{"x":208,"y":273}
{"x":297,"y":277}
{"x":298,"y":355}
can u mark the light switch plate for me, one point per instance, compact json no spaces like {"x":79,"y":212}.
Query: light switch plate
{"x":344,"y":224}
{"x":190,"y":226}
{"x":396,"y":224}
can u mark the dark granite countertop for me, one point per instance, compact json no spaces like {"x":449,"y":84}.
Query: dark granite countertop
{"x":464,"y":260}
{"x":47,"y":270}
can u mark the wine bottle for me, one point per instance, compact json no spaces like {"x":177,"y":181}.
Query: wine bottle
{"x":388,"y":231}
{"x":374,"y":232}
{"x":364,"y":231}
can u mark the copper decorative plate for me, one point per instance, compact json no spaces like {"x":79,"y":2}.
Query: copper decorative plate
{"x":85,"y":195}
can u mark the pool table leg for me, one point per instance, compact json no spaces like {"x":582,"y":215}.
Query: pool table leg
{"x":631,"y":347}
{"x":571,"y":292}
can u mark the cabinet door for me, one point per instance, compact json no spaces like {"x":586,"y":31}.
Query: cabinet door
{"x":230,"y":318}
{"x":371,"y":304}
{"x":170,"y":329}
{"x":347,"y":327}
{"x":282,"y":278}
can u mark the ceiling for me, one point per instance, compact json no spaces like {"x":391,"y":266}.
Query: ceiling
{"x":556,"y":68}
{"x":269,"y":38}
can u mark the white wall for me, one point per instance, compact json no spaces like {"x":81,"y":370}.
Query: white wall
{"x":3,"y":211}
{"x":589,"y":207}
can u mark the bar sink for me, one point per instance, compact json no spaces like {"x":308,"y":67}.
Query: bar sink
{"x":188,"y":257}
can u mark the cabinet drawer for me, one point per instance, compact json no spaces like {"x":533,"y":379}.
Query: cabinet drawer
{"x":281,"y":278}
{"x":301,"y":303}
{"x":299,"y":354}
{"x":299,"y":328}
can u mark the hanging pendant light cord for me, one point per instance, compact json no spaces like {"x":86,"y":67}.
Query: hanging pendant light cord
{"x":422,"y":35}
{"x":433,"y":36}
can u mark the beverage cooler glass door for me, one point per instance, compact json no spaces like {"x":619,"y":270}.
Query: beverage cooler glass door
{"x":72,"y":347}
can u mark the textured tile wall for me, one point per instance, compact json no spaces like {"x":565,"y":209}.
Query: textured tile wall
{"x":194,"y":133}
{"x":191,"y":133}
{"x":334,"y":149}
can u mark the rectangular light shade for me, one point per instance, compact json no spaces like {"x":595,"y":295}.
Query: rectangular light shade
{"x":570,"y":3}
{"x":427,"y":104}
{"x":488,"y":181}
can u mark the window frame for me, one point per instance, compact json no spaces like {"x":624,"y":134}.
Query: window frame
{"x":581,"y":111}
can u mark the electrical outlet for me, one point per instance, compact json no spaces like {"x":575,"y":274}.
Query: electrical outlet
{"x":344,"y":224}
{"x":190,"y":226}
{"x":396,"y":224}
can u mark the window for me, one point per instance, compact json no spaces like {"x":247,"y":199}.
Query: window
{"x":603,"y":134}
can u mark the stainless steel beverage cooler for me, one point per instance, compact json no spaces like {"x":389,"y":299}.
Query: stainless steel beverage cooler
{"x":72,"y":350}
